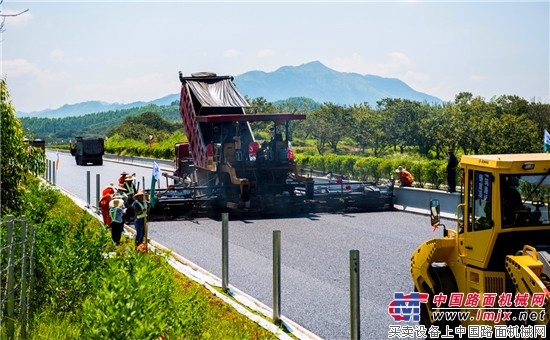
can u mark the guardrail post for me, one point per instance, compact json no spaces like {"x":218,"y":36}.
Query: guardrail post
{"x":88,"y":188}
{"x":49,"y":170}
{"x":45,"y":170}
{"x":277,"y":277}
{"x":54,"y":173}
{"x":97,"y":183}
{"x":354,"y":294}
{"x":225,"y":251}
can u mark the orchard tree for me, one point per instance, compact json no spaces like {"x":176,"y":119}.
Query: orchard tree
{"x":513,"y":105}
{"x":471,"y":116}
{"x":319,"y":125}
{"x":433,"y":130}
{"x":540,"y":114}
{"x":512,"y":134}
{"x":401,"y":121}
{"x":260,"y":105}
{"x":369,"y":129}
{"x":297,"y":105}
{"x":329,"y":125}
{"x":361,"y":129}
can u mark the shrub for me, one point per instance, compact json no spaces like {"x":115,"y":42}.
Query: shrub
{"x":68,"y":254}
{"x":136,"y":299}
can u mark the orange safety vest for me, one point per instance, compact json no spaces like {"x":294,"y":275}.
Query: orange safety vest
{"x":406,"y":178}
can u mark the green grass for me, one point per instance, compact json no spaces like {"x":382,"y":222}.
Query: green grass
{"x":81,"y":294}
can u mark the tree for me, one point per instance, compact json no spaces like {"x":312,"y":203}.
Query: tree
{"x":472,"y":116}
{"x":540,"y":114}
{"x":432,"y":129}
{"x":4,"y":16}
{"x":369,"y":129}
{"x":330,"y":124}
{"x":512,"y":105}
{"x":297,"y":105}
{"x":512,"y":134}
{"x":361,"y":135}
{"x":401,"y":118}
{"x":146,"y":124}
{"x":13,"y":154}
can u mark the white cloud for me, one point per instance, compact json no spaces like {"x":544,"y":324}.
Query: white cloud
{"x":395,"y":65}
{"x":31,"y":87}
{"x":18,"y":67}
{"x":57,"y":55}
{"x":57,"y":89}
{"x":477,"y":78}
{"x":232,"y":52}
{"x":265,"y":53}
{"x":400,"y":59}
{"x":143,"y":88}
{"x":354,"y":63}
{"x":21,"y":67}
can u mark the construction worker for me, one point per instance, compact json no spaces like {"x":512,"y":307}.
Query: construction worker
{"x":140,"y":207}
{"x":103,"y":204}
{"x":405,"y":178}
{"x":130,"y":191}
{"x":116,"y":212}
{"x":122,"y":177}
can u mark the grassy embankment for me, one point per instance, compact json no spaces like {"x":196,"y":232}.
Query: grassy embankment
{"x":81,"y":293}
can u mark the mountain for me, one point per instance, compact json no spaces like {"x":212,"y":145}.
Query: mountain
{"x":80,"y":109}
{"x":312,"y":80}
{"x":322,"y":84}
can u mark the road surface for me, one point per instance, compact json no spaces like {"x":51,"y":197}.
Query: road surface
{"x":315,"y":251}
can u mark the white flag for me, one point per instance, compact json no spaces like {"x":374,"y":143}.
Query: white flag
{"x":546,"y":147}
{"x":154,"y":179}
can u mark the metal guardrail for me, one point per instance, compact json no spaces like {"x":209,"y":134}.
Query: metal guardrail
{"x":417,"y":200}
{"x":163,"y":163}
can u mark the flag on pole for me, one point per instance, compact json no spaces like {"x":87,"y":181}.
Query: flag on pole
{"x":57,"y":160}
{"x":546,"y":147}
{"x":154,"y":179}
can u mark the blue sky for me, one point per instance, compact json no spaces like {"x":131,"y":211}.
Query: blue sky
{"x":68,"y":52}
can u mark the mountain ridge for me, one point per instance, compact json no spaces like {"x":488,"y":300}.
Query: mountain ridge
{"x":311,"y":80}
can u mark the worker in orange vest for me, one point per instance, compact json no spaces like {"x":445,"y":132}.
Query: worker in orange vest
{"x":405,"y":178}
{"x":106,"y":195}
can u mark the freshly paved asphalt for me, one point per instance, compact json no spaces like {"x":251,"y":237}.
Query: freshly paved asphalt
{"x":315,"y":274}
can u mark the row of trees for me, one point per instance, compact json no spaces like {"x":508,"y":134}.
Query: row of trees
{"x":505,"y":124}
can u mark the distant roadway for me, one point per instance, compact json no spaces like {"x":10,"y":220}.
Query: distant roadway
{"x":314,"y":255}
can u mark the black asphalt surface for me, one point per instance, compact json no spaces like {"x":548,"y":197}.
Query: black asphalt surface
{"x":315,"y":274}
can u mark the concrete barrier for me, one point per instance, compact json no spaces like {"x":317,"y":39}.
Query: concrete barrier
{"x":418,"y":200}
{"x":135,"y":160}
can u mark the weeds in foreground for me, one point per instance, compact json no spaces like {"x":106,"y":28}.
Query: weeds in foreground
{"x":81,"y":293}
